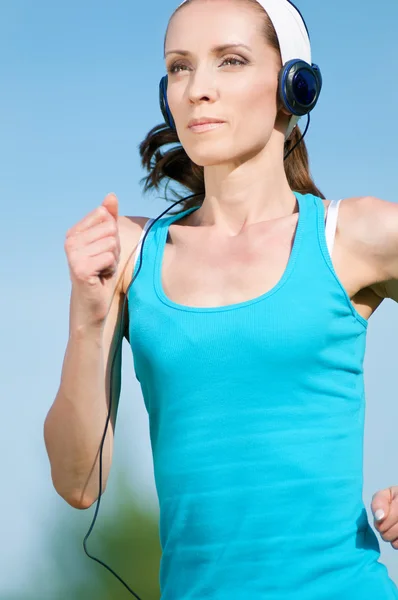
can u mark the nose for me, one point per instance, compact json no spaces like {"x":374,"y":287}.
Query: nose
{"x":202,"y":85}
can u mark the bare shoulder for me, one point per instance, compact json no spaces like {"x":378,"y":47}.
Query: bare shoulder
{"x":368,"y":231}
{"x":130,"y":230}
{"x":369,"y":213}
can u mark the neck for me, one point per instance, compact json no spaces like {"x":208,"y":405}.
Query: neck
{"x":237,"y":196}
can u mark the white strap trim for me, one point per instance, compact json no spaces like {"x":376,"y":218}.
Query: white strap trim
{"x":331,"y":224}
{"x":138,"y":250}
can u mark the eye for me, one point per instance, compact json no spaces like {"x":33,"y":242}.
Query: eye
{"x":175,"y":66}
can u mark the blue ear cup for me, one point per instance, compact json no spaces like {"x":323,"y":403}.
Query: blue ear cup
{"x":299,"y":88}
{"x":300,"y":85}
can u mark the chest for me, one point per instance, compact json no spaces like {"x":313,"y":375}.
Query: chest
{"x":201,"y":270}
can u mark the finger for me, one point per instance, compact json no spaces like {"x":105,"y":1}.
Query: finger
{"x":106,"y":244}
{"x":381,"y":502}
{"x":111,"y":203}
{"x":391,"y":534}
{"x":97,"y":232}
{"x":98,"y":215}
{"x":389,"y":521}
{"x":104,"y":264}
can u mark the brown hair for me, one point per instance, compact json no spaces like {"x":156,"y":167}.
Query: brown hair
{"x":175,"y":164}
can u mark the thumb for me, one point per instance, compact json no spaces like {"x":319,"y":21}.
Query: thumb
{"x":111,"y":203}
{"x":381,"y":504}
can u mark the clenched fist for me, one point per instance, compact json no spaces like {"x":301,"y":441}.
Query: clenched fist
{"x":92,"y":248}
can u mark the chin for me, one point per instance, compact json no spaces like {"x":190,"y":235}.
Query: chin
{"x":213,"y":162}
{"x":211,"y":156}
{"x":212,"y":159}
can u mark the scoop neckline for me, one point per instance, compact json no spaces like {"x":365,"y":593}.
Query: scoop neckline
{"x":158,"y":285}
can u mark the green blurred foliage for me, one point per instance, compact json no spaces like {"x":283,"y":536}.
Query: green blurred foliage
{"x":126,"y":538}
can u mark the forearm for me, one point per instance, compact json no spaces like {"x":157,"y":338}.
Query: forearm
{"x":75,"y":423}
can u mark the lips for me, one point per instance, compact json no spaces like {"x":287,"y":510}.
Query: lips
{"x":204,"y":121}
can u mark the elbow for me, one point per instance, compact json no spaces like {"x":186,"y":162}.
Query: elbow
{"x":67,"y":486}
{"x":76,"y":499}
{"x":79,"y":502}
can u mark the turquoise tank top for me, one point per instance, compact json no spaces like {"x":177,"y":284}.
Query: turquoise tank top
{"x":256,"y":414}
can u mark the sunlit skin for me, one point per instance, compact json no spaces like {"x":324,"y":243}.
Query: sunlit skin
{"x":251,"y":141}
{"x":243,"y":95}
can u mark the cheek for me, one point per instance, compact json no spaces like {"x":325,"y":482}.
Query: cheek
{"x":253,"y":113}
{"x":257,"y":103}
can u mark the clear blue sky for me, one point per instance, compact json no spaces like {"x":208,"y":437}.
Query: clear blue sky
{"x":79,"y":93}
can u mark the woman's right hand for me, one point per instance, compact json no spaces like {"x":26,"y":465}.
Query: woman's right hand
{"x":92,"y":248}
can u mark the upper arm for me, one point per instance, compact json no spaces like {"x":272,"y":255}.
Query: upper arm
{"x":387,"y":289}
{"x":372,"y":234}
{"x":116,"y":322}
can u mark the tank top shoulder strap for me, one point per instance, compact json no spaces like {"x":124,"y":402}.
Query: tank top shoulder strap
{"x":317,"y":239}
{"x":138,"y":250}
{"x":152,"y":235}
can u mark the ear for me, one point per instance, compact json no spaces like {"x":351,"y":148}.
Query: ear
{"x":281,"y":109}
{"x":284,"y":110}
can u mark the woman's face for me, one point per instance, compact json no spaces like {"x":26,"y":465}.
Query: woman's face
{"x":237,"y":85}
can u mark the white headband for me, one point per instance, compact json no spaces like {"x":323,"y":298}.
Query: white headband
{"x":292,"y":35}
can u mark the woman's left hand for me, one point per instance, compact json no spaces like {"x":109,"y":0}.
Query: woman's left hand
{"x":386,"y":501}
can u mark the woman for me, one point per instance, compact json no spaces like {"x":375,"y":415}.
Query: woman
{"x":247,"y":323}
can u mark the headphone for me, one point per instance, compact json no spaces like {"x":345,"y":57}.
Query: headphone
{"x":299,"y":87}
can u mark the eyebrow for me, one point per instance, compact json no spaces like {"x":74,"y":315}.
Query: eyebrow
{"x":214,"y":50}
